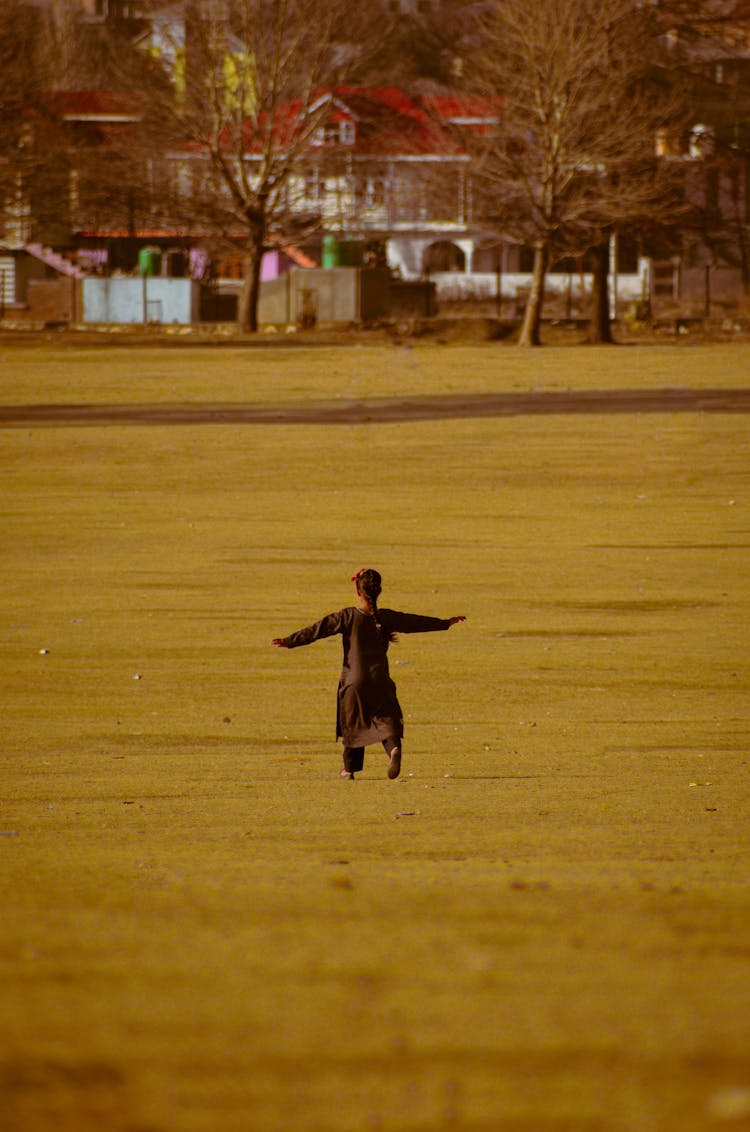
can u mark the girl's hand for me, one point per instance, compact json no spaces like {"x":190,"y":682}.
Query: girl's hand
{"x":455,"y":620}
{"x":279,"y":642}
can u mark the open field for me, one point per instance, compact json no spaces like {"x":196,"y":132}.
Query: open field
{"x":544,"y":924}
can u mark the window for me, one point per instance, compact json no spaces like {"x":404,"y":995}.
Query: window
{"x":347,"y":132}
{"x":627,"y":255}
{"x":182,"y":178}
{"x":330,"y":134}
{"x":315,"y":186}
{"x":370,"y":192}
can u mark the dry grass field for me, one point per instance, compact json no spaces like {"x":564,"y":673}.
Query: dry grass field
{"x":544,"y":924}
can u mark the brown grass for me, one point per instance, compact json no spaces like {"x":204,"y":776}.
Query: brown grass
{"x":544,"y":924}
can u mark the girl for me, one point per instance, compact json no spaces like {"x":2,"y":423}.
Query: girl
{"x":367,"y":708}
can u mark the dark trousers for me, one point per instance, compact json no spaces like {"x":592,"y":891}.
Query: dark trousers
{"x":354,"y":757}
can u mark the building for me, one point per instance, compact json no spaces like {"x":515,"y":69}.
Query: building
{"x":389,"y":176}
{"x":387,"y":179}
{"x":708,"y":264}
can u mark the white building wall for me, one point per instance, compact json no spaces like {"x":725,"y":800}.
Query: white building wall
{"x":454,"y":285}
{"x":405,"y":255}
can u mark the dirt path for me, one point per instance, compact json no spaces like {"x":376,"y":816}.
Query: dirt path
{"x":389,"y":409}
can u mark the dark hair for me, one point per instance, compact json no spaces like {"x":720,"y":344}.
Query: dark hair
{"x":370,"y":584}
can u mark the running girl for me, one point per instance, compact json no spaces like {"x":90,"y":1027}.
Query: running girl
{"x":367,"y":708}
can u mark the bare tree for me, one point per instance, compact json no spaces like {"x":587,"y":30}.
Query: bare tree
{"x":24,"y":76}
{"x":252,"y":83}
{"x":67,"y":150}
{"x":572,"y":155}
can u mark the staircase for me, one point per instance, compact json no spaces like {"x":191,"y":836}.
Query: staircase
{"x":54,"y":260}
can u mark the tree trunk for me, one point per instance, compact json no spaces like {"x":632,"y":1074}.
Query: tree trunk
{"x":600,"y":328}
{"x":533,"y":314}
{"x":247,"y":313}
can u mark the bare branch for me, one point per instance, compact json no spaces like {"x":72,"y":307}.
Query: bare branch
{"x":573,"y":152}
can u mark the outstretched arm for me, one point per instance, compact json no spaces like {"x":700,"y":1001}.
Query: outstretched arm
{"x":416,"y":623}
{"x":326,"y":627}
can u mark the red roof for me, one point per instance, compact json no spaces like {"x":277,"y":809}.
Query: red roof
{"x":465,"y":108}
{"x":387,"y":121}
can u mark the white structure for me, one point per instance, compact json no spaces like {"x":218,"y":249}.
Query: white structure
{"x":140,"y":299}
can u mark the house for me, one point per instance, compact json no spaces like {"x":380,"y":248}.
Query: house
{"x":709,"y":263}
{"x":69,"y":173}
{"x":389,"y":174}
{"x":381,"y":170}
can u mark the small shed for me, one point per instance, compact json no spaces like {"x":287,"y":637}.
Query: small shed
{"x":342,"y":295}
{"x":38,"y":284}
{"x":339,"y":295}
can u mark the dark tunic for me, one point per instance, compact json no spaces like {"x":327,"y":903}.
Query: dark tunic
{"x":368,"y":710}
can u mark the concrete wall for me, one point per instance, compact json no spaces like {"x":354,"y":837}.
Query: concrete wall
{"x":332,"y":293}
{"x":275,"y":306}
{"x":308,"y":296}
{"x":136,"y":299}
{"x":704,"y":286}
{"x":54,"y":300}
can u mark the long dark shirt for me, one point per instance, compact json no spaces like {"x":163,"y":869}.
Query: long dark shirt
{"x":367,"y":708}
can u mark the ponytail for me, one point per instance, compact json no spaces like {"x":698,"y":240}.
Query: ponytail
{"x":374,"y":610}
{"x":369,"y":584}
